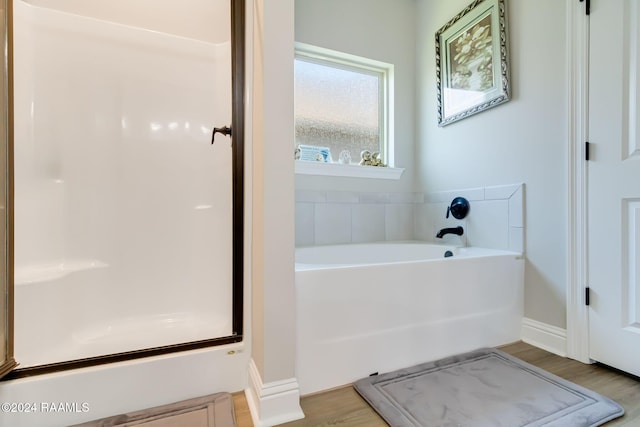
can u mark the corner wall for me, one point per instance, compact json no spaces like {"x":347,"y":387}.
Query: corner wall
{"x":523,"y":140}
{"x":273,"y":392}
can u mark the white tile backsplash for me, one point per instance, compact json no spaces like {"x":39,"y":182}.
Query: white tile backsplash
{"x":311,"y":196}
{"x":399,"y":221}
{"x":305,"y":223}
{"x":516,"y":239}
{"x":488,"y":224}
{"x":367,"y":223}
{"x":516,"y":208}
{"x":423,"y":221}
{"x":374,"y":197}
{"x":500,"y":192}
{"x":342,"y":197}
{"x":470,"y":194}
{"x":495,"y":219}
{"x":332,"y":223}
{"x":406,"y":197}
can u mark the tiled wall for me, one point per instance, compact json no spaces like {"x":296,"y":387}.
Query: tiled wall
{"x":495,"y":220}
{"x":334,"y":217}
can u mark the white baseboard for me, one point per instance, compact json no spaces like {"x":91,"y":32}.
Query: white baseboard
{"x":273,"y":403}
{"x":545,"y":336}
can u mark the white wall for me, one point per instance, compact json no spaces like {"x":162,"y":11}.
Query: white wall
{"x":524,"y":140}
{"x":382,"y":30}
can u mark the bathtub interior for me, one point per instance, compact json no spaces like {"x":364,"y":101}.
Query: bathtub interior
{"x":122,"y":207}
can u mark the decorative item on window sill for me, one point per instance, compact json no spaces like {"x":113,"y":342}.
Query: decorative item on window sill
{"x":344,"y":157}
{"x":311,"y":153}
{"x":371,"y":159}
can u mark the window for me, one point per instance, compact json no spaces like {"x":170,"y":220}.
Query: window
{"x":341,"y":102}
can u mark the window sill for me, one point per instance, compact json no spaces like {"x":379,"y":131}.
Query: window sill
{"x":356,"y":171}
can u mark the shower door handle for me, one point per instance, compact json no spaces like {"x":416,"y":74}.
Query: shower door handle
{"x":225,"y":130}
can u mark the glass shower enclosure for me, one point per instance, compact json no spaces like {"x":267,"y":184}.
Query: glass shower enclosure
{"x":125,"y":213}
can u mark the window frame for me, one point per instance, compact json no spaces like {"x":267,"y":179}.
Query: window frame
{"x":349,"y":62}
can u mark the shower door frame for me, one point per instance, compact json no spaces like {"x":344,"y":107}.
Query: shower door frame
{"x":9,"y":362}
{"x":238,"y":64}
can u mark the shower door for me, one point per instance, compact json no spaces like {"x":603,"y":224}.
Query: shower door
{"x":127,"y":218}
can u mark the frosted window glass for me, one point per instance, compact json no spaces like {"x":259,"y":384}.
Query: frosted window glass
{"x":337,"y":108}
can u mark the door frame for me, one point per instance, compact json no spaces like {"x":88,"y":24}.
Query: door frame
{"x":578,"y":135}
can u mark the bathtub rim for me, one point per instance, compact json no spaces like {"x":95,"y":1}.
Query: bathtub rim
{"x":463,"y":250}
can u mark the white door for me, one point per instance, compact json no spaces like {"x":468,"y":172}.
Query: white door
{"x":614,"y":184}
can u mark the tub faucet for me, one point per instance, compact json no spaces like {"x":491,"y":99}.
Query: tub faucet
{"x":456,"y":230}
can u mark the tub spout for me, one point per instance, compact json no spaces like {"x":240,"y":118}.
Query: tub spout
{"x":456,"y":230}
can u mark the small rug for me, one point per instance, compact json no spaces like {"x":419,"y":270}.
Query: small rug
{"x":215,"y":410}
{"x":483,"y":388}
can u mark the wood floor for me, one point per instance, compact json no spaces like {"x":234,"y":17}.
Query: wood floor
{"x":344,"y":407}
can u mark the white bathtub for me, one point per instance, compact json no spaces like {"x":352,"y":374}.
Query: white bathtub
{"x":366,"y":308}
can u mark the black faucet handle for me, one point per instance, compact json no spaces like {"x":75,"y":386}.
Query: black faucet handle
{"x":459,"y":208}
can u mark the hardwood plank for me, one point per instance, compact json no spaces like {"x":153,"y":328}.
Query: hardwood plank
{"x":339,"y":407}
{"x":344,"y":407}
{"x":243,"y":416}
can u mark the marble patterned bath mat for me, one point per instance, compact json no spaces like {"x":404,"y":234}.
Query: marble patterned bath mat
{"x":215,"y":410}
{"x":483,"y":388}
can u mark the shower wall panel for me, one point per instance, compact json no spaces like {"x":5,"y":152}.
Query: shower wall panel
{"x":123,"y":208}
